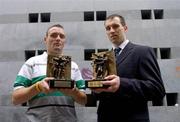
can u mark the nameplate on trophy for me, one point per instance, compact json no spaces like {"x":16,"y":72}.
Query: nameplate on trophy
{"x":103,"y":64}
{"x":59,"y":67}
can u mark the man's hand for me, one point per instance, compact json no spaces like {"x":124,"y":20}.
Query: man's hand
{"x":113,"y":83}
{"x":44,"y":86}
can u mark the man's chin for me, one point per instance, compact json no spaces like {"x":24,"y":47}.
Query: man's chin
{"x":57,"y":51}
{"x":113,"y":41}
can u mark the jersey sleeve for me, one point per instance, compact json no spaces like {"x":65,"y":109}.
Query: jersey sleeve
{"x":23,"y":79}
{"x":77,"y":77}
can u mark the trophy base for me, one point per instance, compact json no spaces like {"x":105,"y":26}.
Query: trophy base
{"x":95,"y":84}
{"x":58,"y":83}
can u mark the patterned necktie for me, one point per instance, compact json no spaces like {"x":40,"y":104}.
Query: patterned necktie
{"x":116,"y":51}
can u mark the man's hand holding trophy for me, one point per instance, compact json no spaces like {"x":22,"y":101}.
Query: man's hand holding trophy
{"x":59,"y":67}
{"x":103,"y":64}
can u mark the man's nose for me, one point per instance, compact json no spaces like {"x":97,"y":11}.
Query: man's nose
{"x":58,"y":37}
{"x":111,"y":29}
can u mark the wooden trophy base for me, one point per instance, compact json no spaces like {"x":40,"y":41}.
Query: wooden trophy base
{"x":58,"y":83}
{"x":95,"y":84}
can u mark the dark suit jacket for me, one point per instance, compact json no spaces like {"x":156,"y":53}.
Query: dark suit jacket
{"x":140,"y":81}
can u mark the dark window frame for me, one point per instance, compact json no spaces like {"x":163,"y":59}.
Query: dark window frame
{"x":146,"y":14}
{"x":158,"y":13}
{"x":39,"y":52}
{"x":102,"y":50}
{"x":101,"y":15}
{"x":45,"y":17}
{"x":33,"y":17}
{"x":88,"y":54}
{"x":88,"y":15}
{"x":165,"y":53}
{"x":29,"y":54}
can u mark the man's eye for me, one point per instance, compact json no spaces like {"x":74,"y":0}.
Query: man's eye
{"x":107,"y":28}
{"x":62,"y":36}
{"x":54,"y":35}
{"x":115,"y":26}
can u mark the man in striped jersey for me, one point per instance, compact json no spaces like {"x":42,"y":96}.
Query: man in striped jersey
{"x":31,"y":85}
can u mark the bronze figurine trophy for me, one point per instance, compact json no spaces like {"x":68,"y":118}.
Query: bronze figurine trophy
{"x":59,"y":67}
{"x":103,"y":64}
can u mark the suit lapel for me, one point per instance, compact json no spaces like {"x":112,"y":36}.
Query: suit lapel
{"x":125,"y":52}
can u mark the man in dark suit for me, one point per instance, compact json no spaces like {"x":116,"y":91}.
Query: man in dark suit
{"x":138,"y":78}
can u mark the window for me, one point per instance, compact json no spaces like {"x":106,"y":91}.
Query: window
{"x":88,"y":53}
{"x":41,"y":52}
{"x":146,"y":14}
{"x":155,"y":51}
{"x":29,"y":54}
{"x":158,"y":13}
{"x":45,"y":17}
{"x":89,"y":16}
{"x":100,"y":15}
{"x":165,"y":53}
{"x":33,"y":17}
{"x":171,"y":98}
{"x":102,"y":50}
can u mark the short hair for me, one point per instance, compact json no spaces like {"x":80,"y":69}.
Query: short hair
{"x":122,"y":20}
{"x":56,"y":25}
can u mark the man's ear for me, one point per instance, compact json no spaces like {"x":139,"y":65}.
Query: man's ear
{"x":125,"y":28}
{"x":45,"y":39}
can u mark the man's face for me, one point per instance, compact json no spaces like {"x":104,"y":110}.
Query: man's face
{"x":55,"y":40}
{"x":115,"y":31}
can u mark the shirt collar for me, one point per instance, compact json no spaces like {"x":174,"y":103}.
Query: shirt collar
{"x":123,"y":45}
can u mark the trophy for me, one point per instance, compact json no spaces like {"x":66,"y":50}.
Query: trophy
{"x":103,"y":64}
{"x":59,"y":67}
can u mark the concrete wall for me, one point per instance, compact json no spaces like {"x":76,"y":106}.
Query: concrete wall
{"x":27,"y":6}
{"x":18,"y":35}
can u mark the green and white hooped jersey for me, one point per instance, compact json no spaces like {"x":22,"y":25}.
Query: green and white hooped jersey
{"x":48,"y":107}
{"x":34,"y":70}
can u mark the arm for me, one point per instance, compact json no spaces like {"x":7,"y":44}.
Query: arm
{"x":77,"y":93}
{"x":24,"y":94}
{"x":79,"y":96}
{"x":141,"y":79}
{"x":146,"y":83}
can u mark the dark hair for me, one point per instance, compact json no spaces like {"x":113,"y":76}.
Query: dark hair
{"x":56,"y":25}
{"x":122,"y":20}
